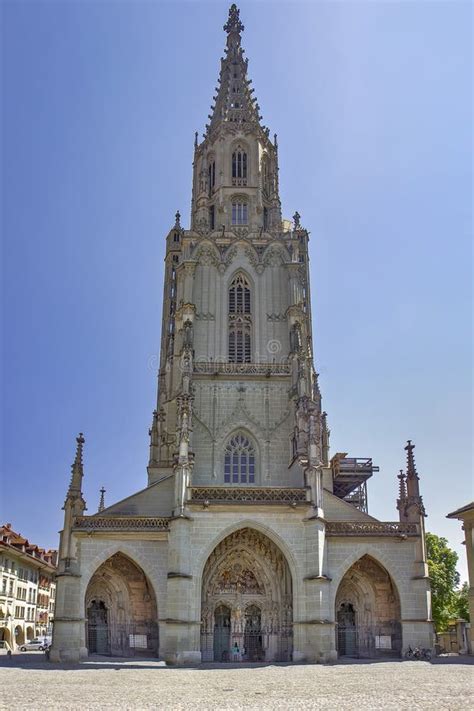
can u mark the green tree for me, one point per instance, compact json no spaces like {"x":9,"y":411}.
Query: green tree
{"x":444,"y":579}
{"x":460,"y":608}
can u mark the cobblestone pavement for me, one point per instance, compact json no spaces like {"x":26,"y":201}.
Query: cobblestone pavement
{"x":29,"y":682}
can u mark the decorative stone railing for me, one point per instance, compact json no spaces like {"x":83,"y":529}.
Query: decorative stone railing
{"x":251,"y":495}
{"x":122,"y":523}
{"x":224,"y":368}
{"x":371,"y":528}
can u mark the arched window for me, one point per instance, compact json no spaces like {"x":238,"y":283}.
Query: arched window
{"x":239,"y":342}
{"x":211,"y":170}
{"x":239,"y":461}
{"x":239,"y":166}
{"x":240,"y":321}
{"x":239,"y":295}
{"x":239,"y":212}
{"x":265,"y":176}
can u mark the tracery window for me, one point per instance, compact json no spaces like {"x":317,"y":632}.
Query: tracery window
{"x":239,"y":461}
{"x":239,"y":295}
{"x":240,"y":320}
{"x":239,"y":212}
{"x":239,"y":342}
{"x":239,"y":165}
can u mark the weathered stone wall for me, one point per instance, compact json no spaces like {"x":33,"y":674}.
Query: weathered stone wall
{"x":301,"y":541}
{"x":259,"y":408}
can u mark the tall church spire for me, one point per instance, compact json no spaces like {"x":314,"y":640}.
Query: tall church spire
{"x":234,"y":102}
{"x":235,"y":176}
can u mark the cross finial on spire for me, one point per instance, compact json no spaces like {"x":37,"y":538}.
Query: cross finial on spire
{"x":102,"y":500}
{"x":234,"y":24}
{"x":178,"y":218}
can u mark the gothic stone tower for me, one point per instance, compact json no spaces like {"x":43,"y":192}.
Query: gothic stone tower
{"x":247,"y":536}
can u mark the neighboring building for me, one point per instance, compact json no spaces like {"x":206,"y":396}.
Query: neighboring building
{"x":455,"y":638}
{"x":27,"y":589}
{"x":247,"y":534}
{"x":466,"y":515}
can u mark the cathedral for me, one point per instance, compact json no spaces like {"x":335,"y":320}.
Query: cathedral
{"x":249,"y":541}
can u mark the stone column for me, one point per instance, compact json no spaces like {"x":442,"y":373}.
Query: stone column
{"x":182,"y":642}
{"x":69,"y":621}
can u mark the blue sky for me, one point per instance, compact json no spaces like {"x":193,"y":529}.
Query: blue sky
{"x":372,"y":105}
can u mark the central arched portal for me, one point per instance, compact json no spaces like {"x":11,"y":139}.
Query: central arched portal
{"x":121,"y":610}
{"x":247,"y":601}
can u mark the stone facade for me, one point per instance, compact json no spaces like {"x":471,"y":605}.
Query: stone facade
{"x":466,"y":515}
{"x":241,"y":545}
{"x":27,"y":589}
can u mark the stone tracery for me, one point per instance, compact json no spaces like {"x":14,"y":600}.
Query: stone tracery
{"x":248,"y":575}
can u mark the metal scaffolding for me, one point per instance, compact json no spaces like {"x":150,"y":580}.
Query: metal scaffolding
{"x":350,"y":476}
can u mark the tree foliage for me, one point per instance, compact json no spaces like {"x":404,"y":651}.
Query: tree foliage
{"x":461,"y":603}
{"x":448,"y":601}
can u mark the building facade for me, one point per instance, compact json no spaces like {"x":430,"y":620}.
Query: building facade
{"x":249,"y":542}
{"x":466,"y":515}
{"x":28,"y":588}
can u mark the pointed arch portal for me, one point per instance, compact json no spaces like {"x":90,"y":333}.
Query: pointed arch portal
{"x":368,"y":619}
{"x":121,"y":612}
{"x":247,"y":601}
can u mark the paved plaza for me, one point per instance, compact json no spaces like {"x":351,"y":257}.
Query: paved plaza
{"x":28,"y":682}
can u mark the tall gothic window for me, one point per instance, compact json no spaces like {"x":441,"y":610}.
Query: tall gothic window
{"x":240,"y":321}
{"x":239,"y":461}
{"x":239,"y":167}
{"x":239,"y":212}
{"x":212,"y":175}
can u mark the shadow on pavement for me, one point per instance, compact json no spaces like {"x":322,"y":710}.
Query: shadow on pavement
{"x":38,"y":661}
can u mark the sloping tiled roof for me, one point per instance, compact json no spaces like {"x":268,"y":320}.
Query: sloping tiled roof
{"x":463,"y":509}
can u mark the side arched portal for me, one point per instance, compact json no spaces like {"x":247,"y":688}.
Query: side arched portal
{"x":121,"y":610}
{"x":247,"y":601}
{"x":368,"y":620}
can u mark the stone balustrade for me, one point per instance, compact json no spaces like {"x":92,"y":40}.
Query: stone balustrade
{"x":225,"y":368}
{"x":247,"y":494}
{"x":122,"y":523}
{"x":371,"y":528}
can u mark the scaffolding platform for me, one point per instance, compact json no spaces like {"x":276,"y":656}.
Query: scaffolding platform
{"x":350,"y":475}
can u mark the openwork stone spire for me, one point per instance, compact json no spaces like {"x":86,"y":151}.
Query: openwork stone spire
{"x":234,"y":24}
{"x":101,"y":501}
{"x":402,"y":490}
{"x":411,"y":467}
{"x":234,"y":102}
{"x":77,"y":470}
{"x":412,"y":481}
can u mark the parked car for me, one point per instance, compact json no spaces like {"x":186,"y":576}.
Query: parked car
{"x":32,"y":644}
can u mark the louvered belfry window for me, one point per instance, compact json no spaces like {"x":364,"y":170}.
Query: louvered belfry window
{"x":240,"y":320}
{"x":239,"y":164}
